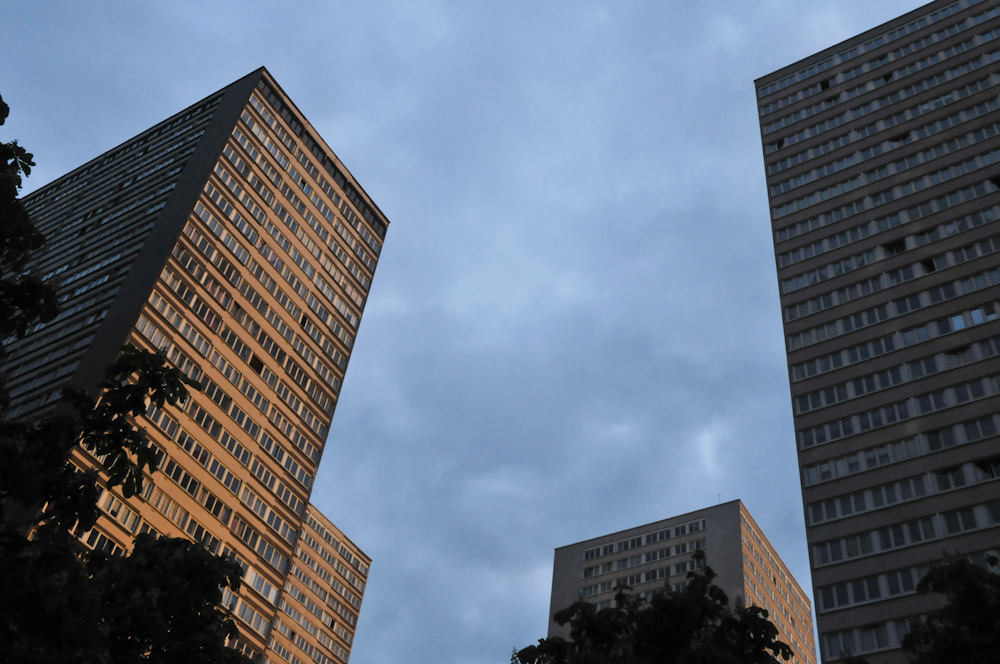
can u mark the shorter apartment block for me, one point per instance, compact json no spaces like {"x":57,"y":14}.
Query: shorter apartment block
{"x":316,"y":608}
{"x":660,"y":555}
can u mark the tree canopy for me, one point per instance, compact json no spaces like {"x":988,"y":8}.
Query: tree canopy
{"x":967,"y":629}
{"x":695,"y":625}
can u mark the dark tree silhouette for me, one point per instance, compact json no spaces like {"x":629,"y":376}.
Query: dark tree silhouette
{"x":967,"y":629}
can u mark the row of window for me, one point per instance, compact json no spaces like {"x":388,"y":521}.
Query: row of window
{"x":864,"y":640}
{"x":845,"y":357}
{"x":888,"y":279}
{"x":267,"y":343}
{"x":215,"y":506}
{"x":245,"y":612}
{"x":155,"y":139}
{"x":313,"y":585}
{"x":898,"y":307}
{"x":874,"y":84}
{"x":894,"y":277}
{"x":814,"y":223}
{"x":643,"y":558}
{"x":901,"y":165}
{"x":882,"y":586}
{"x":643,"y":577}
{"x":847,"y":294}
{"x":858,"y":233}
{"x":33,"y":402}
{"x":936,"y":526}
{"x":335,"y":562}
{"x":285,"y":163}
{"x":211,"y":319}
{"x":327,"y":576}
{"x":257,"y":213}
{"x":312,"y":147}
{"x":643,"y":540}
{"x":35,"y":342}
{"x":913,"y":67}
{"x":831,"y":270}
{"x":86,"y":284}
{"x":883,"y":80}
{"x":270,"y":314}
{"x":901,"y":373}
{"x":279,"y":264}
{"x":877,"y":42}
{"x":881,"y":455}
{"x":789,"y":627}
{"x":268,"y":515}
{"x":778,"y":568}
{"x":887,"y":101}
{"x":356,"y":246}
{"x":912,"y":407}
{"x":293,"y":200}
{"x":339,"y":546}
{"x":302,"y":644}
{"x":243,"y":256}
{"x":98,"y":541}
{"x":770,"y":584}
{"x":325,"y":618}
{"x":903,"y":490}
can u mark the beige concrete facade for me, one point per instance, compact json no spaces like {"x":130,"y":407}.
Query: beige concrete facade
{"x":657,"y":555}
{"x":232,"y":238}
{"x":881,"y":158}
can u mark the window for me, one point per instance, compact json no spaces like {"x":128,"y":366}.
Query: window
{"x":987,"y":469}
{"x":960,"y":521}
{"x":894,"y":247}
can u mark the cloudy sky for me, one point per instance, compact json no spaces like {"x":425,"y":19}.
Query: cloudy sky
{"x":574,"y":328}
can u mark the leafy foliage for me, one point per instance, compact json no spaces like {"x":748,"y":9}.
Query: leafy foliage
{"x":24,"y":298}
{"x":692,"y":626}
{"x":137,"y":378}
{"x":967,"y":629}
{"x":161,"y":603}
{"x":58,"y":602}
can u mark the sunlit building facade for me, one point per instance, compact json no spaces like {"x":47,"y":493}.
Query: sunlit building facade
{"x":231,"y":237}
{"x":881,"y":155}
{"x":660,"y":555}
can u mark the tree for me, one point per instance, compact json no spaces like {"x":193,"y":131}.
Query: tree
{"x":59,"y":602}
{"x":967,"y":629}
{"x":692,"y":626}
{"x":24,"y":299}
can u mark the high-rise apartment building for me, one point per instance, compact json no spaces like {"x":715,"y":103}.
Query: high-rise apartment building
{"x":231,"y":237}
{"x":650,"y":557}
{"x":882,"y":157}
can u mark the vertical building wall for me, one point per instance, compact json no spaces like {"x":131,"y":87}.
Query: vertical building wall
{"x":232,"y":239}
{"x":322,"y":595}
{"x":660,"y":555}
{"x":881,"y":159}
{"x":768,"y":583}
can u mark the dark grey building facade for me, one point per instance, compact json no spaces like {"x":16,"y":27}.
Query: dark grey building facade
{"x":882,"y":158}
